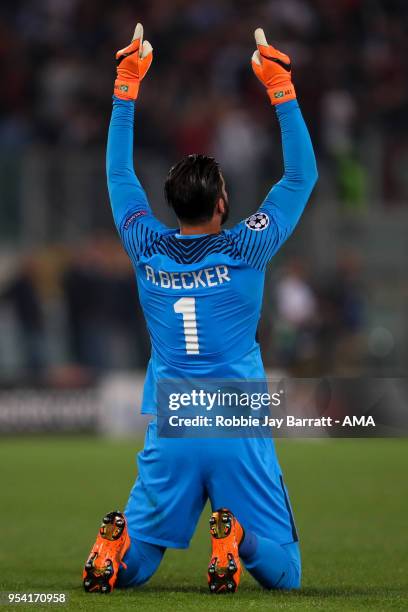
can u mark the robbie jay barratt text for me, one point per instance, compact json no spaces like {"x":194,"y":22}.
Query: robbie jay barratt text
{"x":250,"y":421}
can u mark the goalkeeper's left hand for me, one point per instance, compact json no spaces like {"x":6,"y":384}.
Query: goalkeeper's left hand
{"x":132,"y":64}
{"x":273,"y":69}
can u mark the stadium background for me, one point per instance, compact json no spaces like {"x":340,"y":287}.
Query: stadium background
{"x":72,"y":339}
{"x":337,"y":297}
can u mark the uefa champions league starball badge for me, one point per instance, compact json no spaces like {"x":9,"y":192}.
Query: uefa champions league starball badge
{"x":257,"y":222}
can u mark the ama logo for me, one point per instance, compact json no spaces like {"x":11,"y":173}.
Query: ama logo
{"x":356,"y":421}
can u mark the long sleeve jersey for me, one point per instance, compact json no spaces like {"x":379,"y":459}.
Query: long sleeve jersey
{"x":202,"y":295}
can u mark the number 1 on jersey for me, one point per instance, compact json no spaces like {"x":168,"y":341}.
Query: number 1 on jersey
{"x":187,"y":307}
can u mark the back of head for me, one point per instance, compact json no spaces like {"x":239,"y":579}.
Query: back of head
{"x":193,"y":187}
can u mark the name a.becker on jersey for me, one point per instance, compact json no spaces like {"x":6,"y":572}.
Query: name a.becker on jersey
{"x":207,"y":277}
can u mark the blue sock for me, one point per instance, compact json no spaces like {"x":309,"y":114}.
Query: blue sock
{"x":248,"y":545}
{"x":273,"y":565}
{"x":142,"y":560}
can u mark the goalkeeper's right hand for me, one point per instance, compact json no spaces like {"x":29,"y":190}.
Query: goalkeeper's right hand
{"x":132,"y":64}
{"x":273,"y":69}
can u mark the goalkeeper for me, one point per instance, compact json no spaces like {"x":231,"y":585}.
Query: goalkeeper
{"x":201,"y":291}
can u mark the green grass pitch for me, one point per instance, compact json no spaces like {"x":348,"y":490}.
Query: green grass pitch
{"x":349,"y":497}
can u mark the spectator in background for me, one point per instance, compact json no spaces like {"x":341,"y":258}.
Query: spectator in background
{"x":126,"y":321}
{"x":341,"y":318}
{"x":99,"y":292}
{"x":296,"y":318}
{"x":345,"y":172}
{"x":22,"y":295}
{"x":84,"y":296}
{"x":239,"y":146}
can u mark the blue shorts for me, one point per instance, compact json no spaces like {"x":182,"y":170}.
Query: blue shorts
{"x":177,"y":476}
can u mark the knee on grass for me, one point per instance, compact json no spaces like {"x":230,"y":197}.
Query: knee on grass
{"x":288,"y":580}
{"x":273,"y":565}
{"x":142,"y":560}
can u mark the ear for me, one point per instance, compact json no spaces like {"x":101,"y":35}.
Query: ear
{"x":220,"y":208}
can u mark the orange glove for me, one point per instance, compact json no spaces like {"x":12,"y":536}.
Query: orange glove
{"x":273,"y":69}
{"x":132,"y":64}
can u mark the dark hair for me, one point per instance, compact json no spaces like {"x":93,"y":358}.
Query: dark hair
{"x":193,"y":187}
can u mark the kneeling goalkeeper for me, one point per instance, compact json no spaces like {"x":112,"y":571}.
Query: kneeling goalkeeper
{"x":201,"y":291}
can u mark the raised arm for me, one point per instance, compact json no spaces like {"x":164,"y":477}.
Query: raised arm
{"x":265,"y":231}
{"x":127,"y":197}
{"x":126,"y":194}
{"x":287,"y":199}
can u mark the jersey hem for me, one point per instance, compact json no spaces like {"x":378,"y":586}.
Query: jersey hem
{"x":157,"y":541}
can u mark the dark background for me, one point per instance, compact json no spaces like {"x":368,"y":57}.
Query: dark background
{"x":336,"y":297}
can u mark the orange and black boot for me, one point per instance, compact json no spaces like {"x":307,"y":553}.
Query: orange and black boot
{"x":224,"y":570}
{"x":105,"y":559}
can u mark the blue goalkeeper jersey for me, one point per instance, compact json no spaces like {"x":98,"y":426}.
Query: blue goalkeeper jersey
{"x":202,"y":295}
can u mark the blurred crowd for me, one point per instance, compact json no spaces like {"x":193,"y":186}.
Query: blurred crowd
{"x":350,"y":68}
{"x":71,"y":310}
{"x":78,"y":317}
{"x":73,"y":313}
{"x":317,"y":323}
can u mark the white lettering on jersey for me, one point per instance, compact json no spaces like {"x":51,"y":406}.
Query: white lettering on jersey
{"x":222,"y":273}
{"x":186,"y":284}
{"x":164,"y":279}
{"x":208,"y":277}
